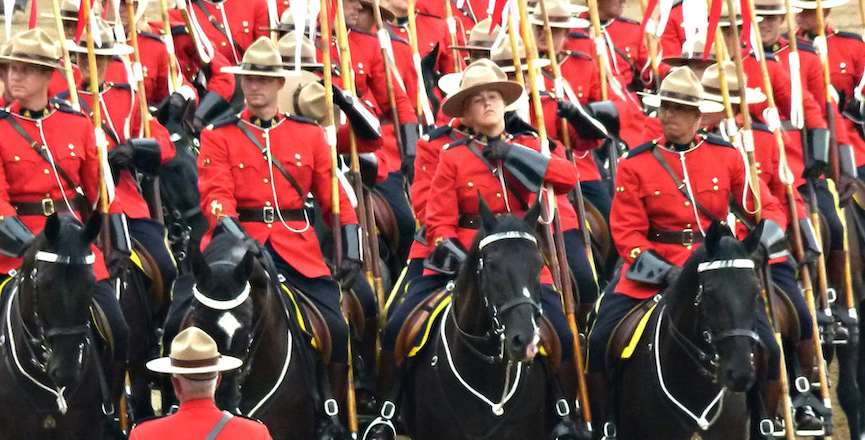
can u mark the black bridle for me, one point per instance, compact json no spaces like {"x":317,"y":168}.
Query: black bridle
{"x":707,"y":359}
{"x":497,"y":332}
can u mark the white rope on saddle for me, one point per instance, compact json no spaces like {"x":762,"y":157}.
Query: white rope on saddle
{"x":717,"y":401}
{"x":497,"y":408}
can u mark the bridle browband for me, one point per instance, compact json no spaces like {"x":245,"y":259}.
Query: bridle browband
{"x":220,"y":304}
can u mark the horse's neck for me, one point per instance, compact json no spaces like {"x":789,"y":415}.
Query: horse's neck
{"x":468,"y":311}
{"x":681,"y":307}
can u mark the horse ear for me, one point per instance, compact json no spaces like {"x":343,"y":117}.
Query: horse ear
{"x":488,"y":219}
{"x":92,"y":227}
{"x":713,"y":236}
{"x":200,"y":269}
{"x":52,"y":228}
{"x":531,"y":217}
{"x":752,"y":241}
{"x":244,"y":270}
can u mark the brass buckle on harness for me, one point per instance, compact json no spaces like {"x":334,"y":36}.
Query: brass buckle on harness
{"x":267,"y":214}
{"x":47,"y":207}
{"x":687,"y":237}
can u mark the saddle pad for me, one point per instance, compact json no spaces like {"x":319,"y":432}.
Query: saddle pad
{"x":300,"y":316}
{"x":627,"y":334}
{"x":417,"y":327}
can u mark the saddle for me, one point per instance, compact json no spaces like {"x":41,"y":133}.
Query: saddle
{"x":311,"y":321}
{"x":420,"y":323}
{"x":385,"y":221}
{"x":353,"y":311}
{"x":147,"y":266}
{"x":628,"y":332}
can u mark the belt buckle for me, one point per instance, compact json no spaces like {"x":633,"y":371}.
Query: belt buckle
{"x":47,"y":207}
{"x":687,"y":237}
{"x":267,"y":214}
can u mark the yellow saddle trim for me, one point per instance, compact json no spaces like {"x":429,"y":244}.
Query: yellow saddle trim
{"x":638,"y":333}
{"x":298,"y":313}
{"x":137,"y":261}
{"x":432,"y":318}
{"x":3,"y":285}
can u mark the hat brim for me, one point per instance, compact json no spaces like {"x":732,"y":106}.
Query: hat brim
{"x":51,"y":64}
{"x":469,"y":46}
{"x":781,"y":11}
{"x":51,"y":16}
{"x":449,"y":83}
{"x":454,"y":105}
{"x":753,"y":96}
{"x":573,"y":22}
{"x":540,"y":63}
{"x":704,"y":106}
{"x":237,"y":70}
{"x":117,"y":49}
{"x":696,"y":62}
{"x":813,"y":5}
{"x":292,"y":83}
{"x":725,"y":22}
{"x":163,"y":365}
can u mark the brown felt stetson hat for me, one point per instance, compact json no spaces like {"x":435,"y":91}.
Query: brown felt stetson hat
{"x":450,"y":83}
{"x":68,"y":11}
{"x":561,"y":13}
{"x":725,"y":20}
{"x":287,"y":46}
{"x":261,"y":59}
{"x":193,"y":352}
{"x":480,"y":38}
{"x":386,"y":14}
{"x":304,"y":96}
{"x":477,"y":79}
{"x":108,"y":45}
{"x":34,"y":47}
{"x":692,"y":57}
{"x":503,"y":56}
{"x":682,"y":87}
{"x":712,"y":85}
{"x":286,"y":23}
{"x":773,"y":7}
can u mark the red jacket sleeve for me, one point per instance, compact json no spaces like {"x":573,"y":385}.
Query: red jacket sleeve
{"x":215,"y":181}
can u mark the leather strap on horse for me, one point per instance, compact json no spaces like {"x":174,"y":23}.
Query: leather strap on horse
{"x":681,"y":185}
{"x":220,"y":424}
{"x":217,"y":24}
{"x":471,"y":146}
{"x":249,"y":135}
{"x":107,"y":404}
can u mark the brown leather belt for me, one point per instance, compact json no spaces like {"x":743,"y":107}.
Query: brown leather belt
{"x":44,"y":207}
{"x":684,"y":237}
{"x":268,"y":215}
{"x":469,"y":221}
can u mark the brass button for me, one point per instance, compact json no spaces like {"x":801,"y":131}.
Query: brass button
{"x":298,"y":163}
{"x":499,"y":195}
{"x":17,"y":158}
{"x":657,"y":193}
{"x":471,"y":184}
{"x":266,"y":203}
{"x":72,"y":154}
{"x":715,"y":187}
{"x":46,"y":171}
{"x":240,"y":166}
{"x":269,"y":225}
{"x":297,"y":156}
{"x":687,"y":203}
{"x":224,"y":44}
{"x":689,"y":247}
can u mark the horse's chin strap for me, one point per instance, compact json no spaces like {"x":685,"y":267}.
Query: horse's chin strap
{"x":718,"y":401}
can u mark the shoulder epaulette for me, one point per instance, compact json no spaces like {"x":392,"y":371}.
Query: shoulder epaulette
{"x":248,"y":418}
{"x":806,"y":46}
{"x":759,"y":126}
{"x":578,"y":54}
{"x":123,"y":86}
{"x":301,"y":119}
{"x":438,"y":132}
{"x":64,"y":106}
{"x":463,"y":141}
{"x":222,"y":122}
{"x":150,"y":35}
{"x":4,"y":113}
{"x":628,"y":20}
{"x":641,"y":148}
{"x":578,"y":35}
{"x":716,"y":140}
{"x":391,"y":31}
{"x":852,"y":35}
{"x":362,"y":32}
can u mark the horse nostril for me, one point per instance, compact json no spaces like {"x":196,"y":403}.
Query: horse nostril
{"x":518,"y":341}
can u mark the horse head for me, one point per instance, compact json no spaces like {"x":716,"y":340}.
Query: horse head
{"x":727,"y":289}
{"x":504,"y":267}
{"x":228,"y":291}
{"x":57,"y":292}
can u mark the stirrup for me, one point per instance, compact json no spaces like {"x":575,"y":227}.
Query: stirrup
{"x":388,"y":411}
{"x":609,"y":431}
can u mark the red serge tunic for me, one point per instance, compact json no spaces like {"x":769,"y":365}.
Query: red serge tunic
{"x":234,"y":174}
{"x":646,"y":196}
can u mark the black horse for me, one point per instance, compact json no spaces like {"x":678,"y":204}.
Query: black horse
{"x":476,"y":379}
{"x":690,"y":371}
{"x":236,"y":301}
{"x":52,"y":383}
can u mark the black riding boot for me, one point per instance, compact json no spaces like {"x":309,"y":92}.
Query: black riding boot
{"x":387,"y":378}
{"x":365,"y":377}
{"x":337,"y":374}
{"x":596,"y":384}
{"x":771,"y":393}
{"x":567,"y":377}
{"x":806,"y":419}
{"x":835,"y":270}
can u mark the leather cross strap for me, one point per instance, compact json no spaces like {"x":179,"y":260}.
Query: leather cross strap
{"x":226,"y":416}
{"x":38,"y":149}
{"x":480,"y":155}
{"x":249,"y":135}
{"x":680,"y":185}
{"x":217,"y":25}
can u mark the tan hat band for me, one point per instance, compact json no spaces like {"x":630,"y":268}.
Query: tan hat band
{"x":33,"y":57}
{"x":717,"y":91}
{"x":487,"y":44}
{"x":196,"y":363}
{"x":509,"y":62}
{"x":775,"y":7}
{"x":259,"y":67}
{"x":554,"y":19}
{"x":680,"y":96}
{"x":303,"y":59}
